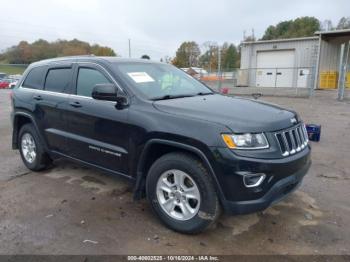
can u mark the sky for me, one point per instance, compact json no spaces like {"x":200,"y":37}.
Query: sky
{"x":154,"y":27}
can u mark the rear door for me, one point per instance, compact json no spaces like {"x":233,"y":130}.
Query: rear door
{"x":51,"y":105}
{"x":98,"y":130}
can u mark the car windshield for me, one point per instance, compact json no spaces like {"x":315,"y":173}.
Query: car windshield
{"x":160,"y":81}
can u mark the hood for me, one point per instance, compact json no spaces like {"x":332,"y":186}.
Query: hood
{"x":239,"y":114}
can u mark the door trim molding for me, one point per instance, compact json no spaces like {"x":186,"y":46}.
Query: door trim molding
{"x":86,"y":140}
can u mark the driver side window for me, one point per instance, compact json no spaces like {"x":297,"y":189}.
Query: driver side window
{"x":87,"y":79}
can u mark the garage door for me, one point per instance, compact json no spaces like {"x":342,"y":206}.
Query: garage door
{"x":275,"y":68}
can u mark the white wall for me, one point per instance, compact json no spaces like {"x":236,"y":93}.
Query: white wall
{"x":305,"y":54}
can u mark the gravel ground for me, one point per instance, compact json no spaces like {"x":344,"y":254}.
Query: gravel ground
{"x":73,"y":210}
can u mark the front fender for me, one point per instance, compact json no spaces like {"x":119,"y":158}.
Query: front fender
{"x":141,"y":172}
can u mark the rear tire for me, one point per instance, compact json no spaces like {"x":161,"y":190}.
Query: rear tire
{"x":182,"y":193}
{"x":32,"y":150}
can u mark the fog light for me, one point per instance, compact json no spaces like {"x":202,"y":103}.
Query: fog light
{"x":253,"y":180}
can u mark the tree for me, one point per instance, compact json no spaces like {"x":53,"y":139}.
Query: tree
{"x":229,"y":57}
{"x":209,"y":59}
{"x":327,"y":25}
{"x":300,"y":27}
{"x":25,"y":53}
{"x":344,"y":23}
{"x":187,"y":55}
{"x":102,"y":50}
{"x":250,"y":38}
{"x":146,"y":57}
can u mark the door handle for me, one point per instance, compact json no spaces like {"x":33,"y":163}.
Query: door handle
{"x":38,"y":97}
{"x":75,"y":104}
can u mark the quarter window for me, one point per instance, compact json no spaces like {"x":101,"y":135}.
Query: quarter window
{"x":87,"y":79}
{"x":58,"y":80}
{"x":35,"y":78}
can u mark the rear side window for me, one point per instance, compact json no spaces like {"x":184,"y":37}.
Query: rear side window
{"x":87,"y":79}
{"x":58,"y":79}
{"x":35,"y":78}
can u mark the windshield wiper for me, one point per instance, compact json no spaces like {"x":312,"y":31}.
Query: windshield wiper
{"x":204,"y":93}
{"x":165,"y":97}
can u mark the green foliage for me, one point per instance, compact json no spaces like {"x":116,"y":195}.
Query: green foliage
{"x":250,"y":38}
{"x":145,"y":57}
{"x":25,"y":53}
{"x":300,"y":27}
{"x":187,"y":55}
{"x":209,"y":60}
{"x":230,"y":59}
{"x":102,"y":50}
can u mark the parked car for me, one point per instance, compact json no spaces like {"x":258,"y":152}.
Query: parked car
{"x":2,"y":75}
{"x":4,"y":83}
{"x":12,"y":83}
{"x":191,"y":151}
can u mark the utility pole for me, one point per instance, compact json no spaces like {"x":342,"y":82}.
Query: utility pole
{"x":343,"y":68}
{"x":129,"y":48}
{"x":210,"y":49}
{"x":219,"y":68}
{"x":219,"y":60}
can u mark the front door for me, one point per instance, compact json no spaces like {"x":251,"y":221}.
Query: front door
{"x":98,"y":130}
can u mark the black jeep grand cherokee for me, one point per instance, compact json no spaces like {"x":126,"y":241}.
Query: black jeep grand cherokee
{"x":190,"y":150}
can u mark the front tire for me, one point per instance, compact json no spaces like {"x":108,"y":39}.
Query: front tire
{"x":182,"y":193}
{"x":31,"y":149}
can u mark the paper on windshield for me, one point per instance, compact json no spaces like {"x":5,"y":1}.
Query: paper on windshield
{"x":141,"y":77}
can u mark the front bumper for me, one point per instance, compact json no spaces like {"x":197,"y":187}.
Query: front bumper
{"x":283,"y":176}
{"x":277,"y":192}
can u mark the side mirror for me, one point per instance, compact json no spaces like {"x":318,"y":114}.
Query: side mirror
{"x":109,"y":92}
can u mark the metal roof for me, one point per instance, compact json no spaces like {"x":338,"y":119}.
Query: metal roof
{"x":281,"y":40}
{"x":334,"y":33}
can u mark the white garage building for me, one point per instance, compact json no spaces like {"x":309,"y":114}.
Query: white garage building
{"x":280,"y":63}
{"x":296,"y":62}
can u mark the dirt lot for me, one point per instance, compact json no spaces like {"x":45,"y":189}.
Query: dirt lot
{"x":74,"y":210}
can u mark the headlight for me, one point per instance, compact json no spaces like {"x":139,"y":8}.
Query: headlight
{"x":245,"y":141}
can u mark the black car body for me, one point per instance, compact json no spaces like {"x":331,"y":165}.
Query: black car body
{"x":128,"y":134}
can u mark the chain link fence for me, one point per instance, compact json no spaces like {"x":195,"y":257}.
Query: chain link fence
{"x":296,"y":81}
{"x":293,"y":82}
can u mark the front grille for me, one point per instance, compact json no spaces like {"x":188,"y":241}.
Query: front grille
{"x":292,"y":140}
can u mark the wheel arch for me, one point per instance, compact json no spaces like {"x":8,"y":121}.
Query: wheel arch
{"x":146,"y":159}
{"x":20,"y":119}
